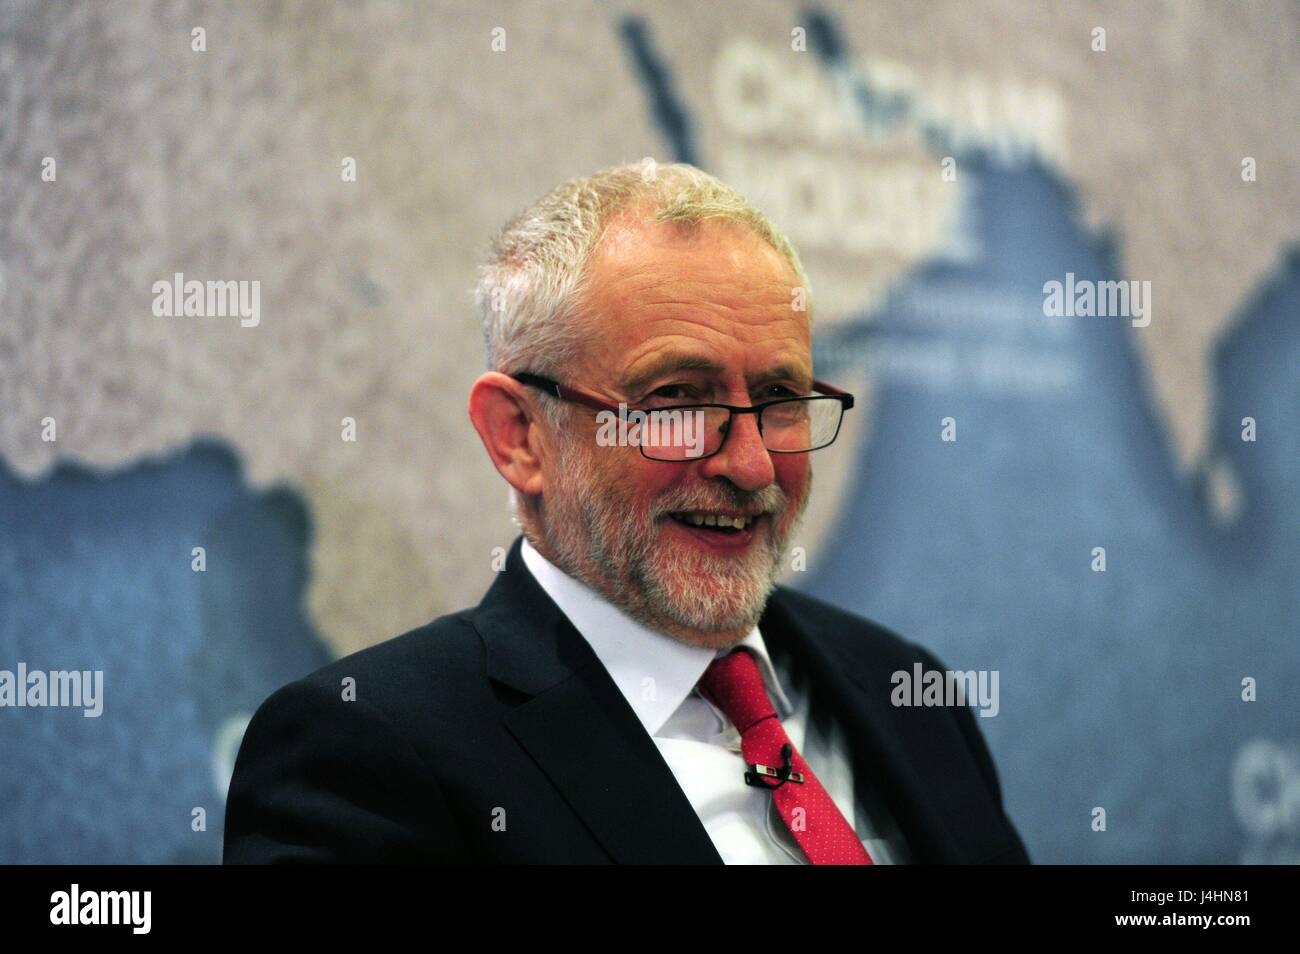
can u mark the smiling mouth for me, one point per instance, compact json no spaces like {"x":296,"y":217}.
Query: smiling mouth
{"x":718,"y":522}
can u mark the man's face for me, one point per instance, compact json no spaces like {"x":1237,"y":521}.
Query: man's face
{"x":679,"y":318}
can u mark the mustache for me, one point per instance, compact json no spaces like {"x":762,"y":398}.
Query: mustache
{"x":771,"y":499}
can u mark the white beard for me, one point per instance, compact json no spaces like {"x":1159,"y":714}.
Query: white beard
{"x":596,"y":534}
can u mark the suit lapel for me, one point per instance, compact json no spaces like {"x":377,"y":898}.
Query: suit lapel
{"x":855,"y":687}
{"x":580,"y":730}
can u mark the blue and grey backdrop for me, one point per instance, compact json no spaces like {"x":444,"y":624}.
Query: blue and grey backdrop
{"x":935,"y":167}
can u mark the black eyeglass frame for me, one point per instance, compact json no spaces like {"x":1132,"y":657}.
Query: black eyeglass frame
{"x":587,"y":399}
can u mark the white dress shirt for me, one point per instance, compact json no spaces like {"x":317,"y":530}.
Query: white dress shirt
{"x":658,"y":675}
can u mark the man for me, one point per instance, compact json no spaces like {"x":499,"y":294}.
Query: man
{"x":633,"y":687}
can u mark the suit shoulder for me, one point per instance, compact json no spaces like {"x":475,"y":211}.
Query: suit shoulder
{"x":328,"y":774}
{"x":440,"y":642}
{"x":401,"y":671}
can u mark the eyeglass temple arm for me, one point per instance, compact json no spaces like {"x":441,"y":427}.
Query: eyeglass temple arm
{"x":562,"y":393}
{"x":845,"y":397}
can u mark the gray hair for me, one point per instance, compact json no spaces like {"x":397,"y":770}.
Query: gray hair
{"x":531,"y":289}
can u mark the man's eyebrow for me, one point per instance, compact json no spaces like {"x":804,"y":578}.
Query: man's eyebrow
{"x":669,"y":364}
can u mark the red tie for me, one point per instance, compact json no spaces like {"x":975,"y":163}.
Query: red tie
{"x":734,"y":684}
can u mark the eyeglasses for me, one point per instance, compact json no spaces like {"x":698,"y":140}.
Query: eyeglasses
{"x":686,"y":432}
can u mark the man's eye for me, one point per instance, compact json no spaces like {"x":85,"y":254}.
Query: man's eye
{"x":670,"y":392}
{"x":775,"y":391}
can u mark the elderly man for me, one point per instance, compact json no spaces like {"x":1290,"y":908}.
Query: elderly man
{"x":634,"y":687}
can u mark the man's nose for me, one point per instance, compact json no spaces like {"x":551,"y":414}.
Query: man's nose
{"x":743,"y":459}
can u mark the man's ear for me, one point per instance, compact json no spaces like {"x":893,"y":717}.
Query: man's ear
{"x":500,"y":413}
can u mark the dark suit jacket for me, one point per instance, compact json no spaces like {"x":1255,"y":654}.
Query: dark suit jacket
{"x":503,"y":712}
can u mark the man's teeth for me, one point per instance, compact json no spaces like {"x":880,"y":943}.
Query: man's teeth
{"x":715,"y":520}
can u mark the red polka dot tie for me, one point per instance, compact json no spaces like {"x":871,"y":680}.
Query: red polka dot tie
{"x":734,"y":684}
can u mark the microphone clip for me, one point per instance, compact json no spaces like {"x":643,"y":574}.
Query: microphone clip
{"x":757,"y":772}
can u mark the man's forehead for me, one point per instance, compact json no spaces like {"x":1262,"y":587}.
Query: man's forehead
{"x":661,"y":300}
{"x":633,"y":243}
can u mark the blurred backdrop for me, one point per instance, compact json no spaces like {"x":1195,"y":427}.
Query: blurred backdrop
{"x":205,"y":508}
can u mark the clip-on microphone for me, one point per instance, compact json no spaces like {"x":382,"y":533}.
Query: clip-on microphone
{"x":759,"y":771}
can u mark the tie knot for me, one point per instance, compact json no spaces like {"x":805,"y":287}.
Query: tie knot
{"x":734,"y":684}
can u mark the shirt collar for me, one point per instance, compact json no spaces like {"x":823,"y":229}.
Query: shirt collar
{"x":654,"y":672}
